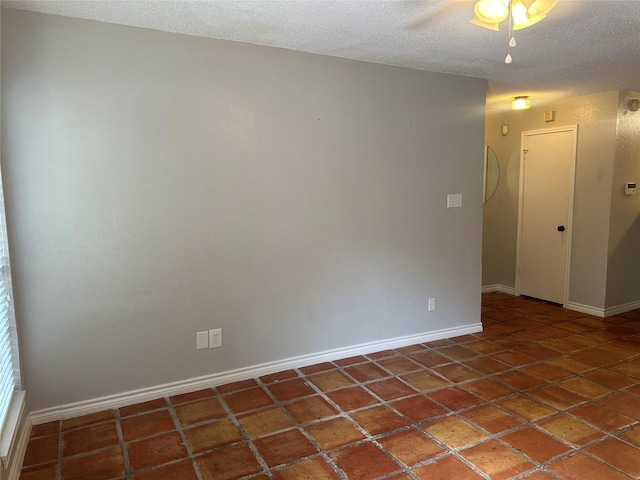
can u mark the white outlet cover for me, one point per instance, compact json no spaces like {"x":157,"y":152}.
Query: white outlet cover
{"x":215,"y":338}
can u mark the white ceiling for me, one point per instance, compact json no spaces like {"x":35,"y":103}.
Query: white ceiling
{"x":583,"y":46}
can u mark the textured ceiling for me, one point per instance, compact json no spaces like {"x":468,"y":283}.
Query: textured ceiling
{"x":583,"y":46}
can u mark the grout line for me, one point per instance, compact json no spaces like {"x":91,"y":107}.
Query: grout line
{"x":123,"y":446}
{"x":180,"y":429}
{"x":301,"y":427}
{"x":247,"y":440}
{"x":60,"y":451}
{"x":346,"y":415}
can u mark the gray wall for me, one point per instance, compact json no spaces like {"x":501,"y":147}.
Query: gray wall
{"x":596,"y":117}
{"x":160,"y":184}
{"x":623,"y":272}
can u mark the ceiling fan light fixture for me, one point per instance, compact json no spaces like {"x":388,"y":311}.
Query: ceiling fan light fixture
{"x":524,"y":13}
{"x":527,"y":22}
{"x":491,"y":11}
{"x":480,"y":23}
{"x":521,"y":103}
{"x":537,"y":8}
{"x":519,"y":12}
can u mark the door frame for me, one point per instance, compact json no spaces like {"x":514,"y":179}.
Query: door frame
{"x":572,"y":177}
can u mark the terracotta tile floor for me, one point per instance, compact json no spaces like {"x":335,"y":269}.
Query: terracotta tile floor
{"x":542,"y":393}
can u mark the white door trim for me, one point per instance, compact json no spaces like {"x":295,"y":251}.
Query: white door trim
{"x":574,"y":148}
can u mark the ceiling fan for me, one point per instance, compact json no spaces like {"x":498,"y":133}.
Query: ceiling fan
{"x":523,"y":13}
{"x":490,"y":13}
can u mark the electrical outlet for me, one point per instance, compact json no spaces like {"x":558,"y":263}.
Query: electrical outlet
{"x":202,"y":340}
{"x":215,"y":338}
{"x":432,"y":304}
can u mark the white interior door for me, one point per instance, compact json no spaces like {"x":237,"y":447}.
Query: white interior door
{"x":546,"y":198}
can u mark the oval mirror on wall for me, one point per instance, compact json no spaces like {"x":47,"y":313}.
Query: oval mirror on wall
{"x":491,"y":173}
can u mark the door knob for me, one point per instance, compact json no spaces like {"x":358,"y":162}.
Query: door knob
{"x":561,"y":228}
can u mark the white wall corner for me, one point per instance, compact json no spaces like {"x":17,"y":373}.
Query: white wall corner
{"x":498,"y":288}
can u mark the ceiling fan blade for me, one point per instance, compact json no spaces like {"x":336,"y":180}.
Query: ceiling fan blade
{"x":432,"y":14}
{"x":480,"y":23}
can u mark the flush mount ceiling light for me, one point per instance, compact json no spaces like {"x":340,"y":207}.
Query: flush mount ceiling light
{"x":521,"y":14}
{"x":520,"y":103}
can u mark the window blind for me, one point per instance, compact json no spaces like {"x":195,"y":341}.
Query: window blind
{"x":9,"y":358}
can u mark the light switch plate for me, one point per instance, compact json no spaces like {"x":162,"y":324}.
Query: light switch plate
{"x":454,"y":200}
{"x":202,"y":340}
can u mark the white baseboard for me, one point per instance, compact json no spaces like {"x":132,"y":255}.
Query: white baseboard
{"x":627,"y":307}
{"x":498,"y":288}
{"x":589,"y":310}
{"x":603,"y":313}
{"x":176,"y":388}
